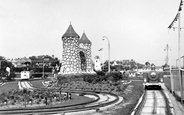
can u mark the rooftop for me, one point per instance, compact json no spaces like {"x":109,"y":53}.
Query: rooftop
{"x":84,"y":39}
{"x":70,"y":32}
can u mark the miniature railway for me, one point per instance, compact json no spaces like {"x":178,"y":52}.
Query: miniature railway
{"x":102,"y":100}
{"x":154,"y":102}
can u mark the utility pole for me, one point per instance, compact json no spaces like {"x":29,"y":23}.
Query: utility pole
{"x":179,"y":56}
{"x":167,"y":55}
{"x":178,"y":16}
{"x":179,"y":29}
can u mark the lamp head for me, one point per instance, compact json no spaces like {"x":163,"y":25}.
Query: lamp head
{"x":104,"y":37}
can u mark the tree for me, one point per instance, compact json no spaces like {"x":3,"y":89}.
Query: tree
{"x":119,"y":67}
{"x":48,"y":60}
{"x":33,"y":57}
{"x":147,"y":64}
{"x":132,"y":64}
{"x":2,"y":58}
{"x":3,"y":65}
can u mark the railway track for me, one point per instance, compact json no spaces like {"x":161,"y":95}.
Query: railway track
{"x":101,"y":100}
{"x":153,"y":102}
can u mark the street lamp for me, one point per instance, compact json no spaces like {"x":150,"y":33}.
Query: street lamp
{"x":104,"y":37}
{"x":44,"y":60}
{"x":102,"y":55}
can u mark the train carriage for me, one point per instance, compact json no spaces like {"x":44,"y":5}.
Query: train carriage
{"x":153,"y":79}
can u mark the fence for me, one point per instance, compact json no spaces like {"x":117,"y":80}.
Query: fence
{"x":175,"y":83}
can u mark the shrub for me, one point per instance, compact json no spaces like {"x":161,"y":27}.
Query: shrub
{"x":62,"y":79}
{"x":66,"y":78}
{"x":90,"y":77}
{"x":11,"y":76}
{"x":100,"y":73}
{"x":114,"y":75}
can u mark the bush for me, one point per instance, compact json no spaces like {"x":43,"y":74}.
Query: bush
{"x":100,"y":73}
{"x":89,"y":77}
{"x":11,"y":76}
{"x":114,"y":75}
{"x":101,"y":76}
{"x":62,"y":79}
{"x":66,"y":78}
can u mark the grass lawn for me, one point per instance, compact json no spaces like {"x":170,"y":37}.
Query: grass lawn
{"x":124,"y":108}
{"x":37,"y":83}
{"x":9,"y":86}
{"x":130,"y":99}
{"x":75,"y":99}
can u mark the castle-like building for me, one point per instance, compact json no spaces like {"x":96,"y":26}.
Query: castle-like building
{"x":76,"y":56}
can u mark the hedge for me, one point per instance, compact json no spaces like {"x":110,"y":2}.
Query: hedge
{"x":113,"y":76}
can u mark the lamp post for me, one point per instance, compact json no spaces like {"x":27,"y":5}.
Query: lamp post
{"x":104,"y":37}
{"x":44,"y":60}
{"x":43,"y":69}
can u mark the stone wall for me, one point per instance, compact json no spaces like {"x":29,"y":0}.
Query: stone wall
{"x":87,"y":52}
{"x":71,"y":59}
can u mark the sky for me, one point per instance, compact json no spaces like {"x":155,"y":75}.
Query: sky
{"x":136,"y":29}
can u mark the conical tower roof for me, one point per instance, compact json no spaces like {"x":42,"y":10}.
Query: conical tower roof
{"x":70,"y":32}
{"x":84,"y":39}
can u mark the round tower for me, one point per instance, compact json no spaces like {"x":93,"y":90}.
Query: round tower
{"x":70,"y":57}
{"x":85,"y":44}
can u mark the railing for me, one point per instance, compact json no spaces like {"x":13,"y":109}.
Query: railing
{"x":175,"y":83}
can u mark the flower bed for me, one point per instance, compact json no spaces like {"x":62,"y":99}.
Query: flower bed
{"x":97,"y":87}
{"x":24,"y":98}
